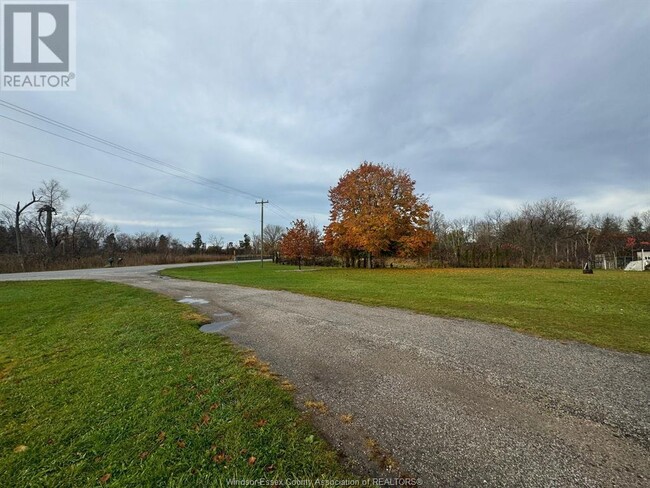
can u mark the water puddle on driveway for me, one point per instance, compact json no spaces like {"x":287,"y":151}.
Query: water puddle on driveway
{"x":222,"y":321}
{"x":193,"y":301}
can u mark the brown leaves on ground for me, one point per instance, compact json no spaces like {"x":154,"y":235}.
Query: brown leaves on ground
{"x":251,"y":460}
{"x":220,"y":458}
{"x":214,"y":406}
{"x":261,"y":423}
{"x":313,"y":405}
{"x":251,"y":361}
{"x":201,"y":393}
{"x":181,"y":443}
{"x":144,"y":455}
{"x":104,"y":479}
{"x":287,"y":386}
{"x":382,"y":458}
{"x":347,"y":418}
{"x":21,"y":448}
{"x":198,"y":318}
{"x":161,"y":436}
{"x":261,"y":367}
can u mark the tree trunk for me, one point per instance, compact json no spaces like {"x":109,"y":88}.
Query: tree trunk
{"x":19,"y":238}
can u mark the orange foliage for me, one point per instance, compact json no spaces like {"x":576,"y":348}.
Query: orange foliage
{"x":300,"y":241}
{"x":375,"y":210}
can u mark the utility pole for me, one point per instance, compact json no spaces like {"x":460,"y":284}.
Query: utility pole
{"x":262,"y":202}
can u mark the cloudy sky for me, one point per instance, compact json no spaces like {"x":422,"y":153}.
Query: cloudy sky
{"x":486,"y":104}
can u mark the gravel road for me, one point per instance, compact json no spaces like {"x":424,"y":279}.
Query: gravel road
{"x":453,"y":402}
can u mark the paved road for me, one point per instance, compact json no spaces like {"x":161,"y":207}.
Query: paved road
{"x":455,"y":402}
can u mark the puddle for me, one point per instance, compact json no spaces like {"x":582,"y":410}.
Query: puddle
{"x":222,"y":321}
{"x":217,"y":326}
{"x":193,"y":301}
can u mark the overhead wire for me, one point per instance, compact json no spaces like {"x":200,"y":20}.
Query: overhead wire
{"x":206,"y":182}
{"x":101,"y":140}
{"x":120,"y":185}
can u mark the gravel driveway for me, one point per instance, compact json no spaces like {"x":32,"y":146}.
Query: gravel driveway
{"x":454,"y":402}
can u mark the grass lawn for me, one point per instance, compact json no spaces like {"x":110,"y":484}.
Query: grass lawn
{"x":609,"y":308}
{"x":107,"y":384}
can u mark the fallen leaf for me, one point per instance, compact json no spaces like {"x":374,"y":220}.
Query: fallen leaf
{"x":181,"y":444}
{"x":105,"y":478}
{"x":161,"y":436}
{"x":21,"y":448}
{"x":252,"y":459}
{"x":219,"y":458}
{"x":144,"y":455}
{"x":269,"y":468}
{"x":214,"y":406}
{"x":320,"y":406}
{"x":347,"y":418}
{"x":205,"y":419}
{"x":261,"y":423}
{"x":286,"y":385}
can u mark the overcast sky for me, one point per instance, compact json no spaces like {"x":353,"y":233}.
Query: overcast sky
{"x":486,"y":104}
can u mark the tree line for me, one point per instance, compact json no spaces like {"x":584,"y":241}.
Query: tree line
{"x":376,"y":219}
{"x":42,"y":233}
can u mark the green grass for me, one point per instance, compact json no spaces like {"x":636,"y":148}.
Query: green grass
{"x":99,"y":379}
{"x":608,"y":309}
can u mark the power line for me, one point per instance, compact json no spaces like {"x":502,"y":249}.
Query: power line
{"x":212,"y":209}
{"x":110,"y":153}
{"x":61,"y":125}
{"x":282,"y":213}
{"x":286,"y":215}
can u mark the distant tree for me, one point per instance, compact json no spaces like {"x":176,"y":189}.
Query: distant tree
{"x":299,"y":242}
{"x":375,"y":211}
{"x":163,"y":245}
{"x":634,"y":226}
{"x":110,"y":243}
{"x":146,"y":242}
{"x":52,"y":196}
{"x":245,"y":244}
{"x":216,"y":243}
{"x":17,"y":224}
{"x":551,"y":230}
{"x":74,"y":222}
{"x":645,"y":218}
{"x":272,"y":237}
{"x":197,"y":243}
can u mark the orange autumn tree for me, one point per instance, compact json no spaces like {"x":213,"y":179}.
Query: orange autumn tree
{"x":375,"y":212}
{"x":299,"y":242}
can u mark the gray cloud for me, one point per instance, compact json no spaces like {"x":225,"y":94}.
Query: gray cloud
{"x":487,"y":104}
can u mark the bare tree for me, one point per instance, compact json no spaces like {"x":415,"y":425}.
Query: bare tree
{"x":216,"y":242}
{"x":52,"y":195}
{"x":78,"y":213}
{"x":19,"y":241}
{"x":645,"y":219}
{"x":272,"y":237}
